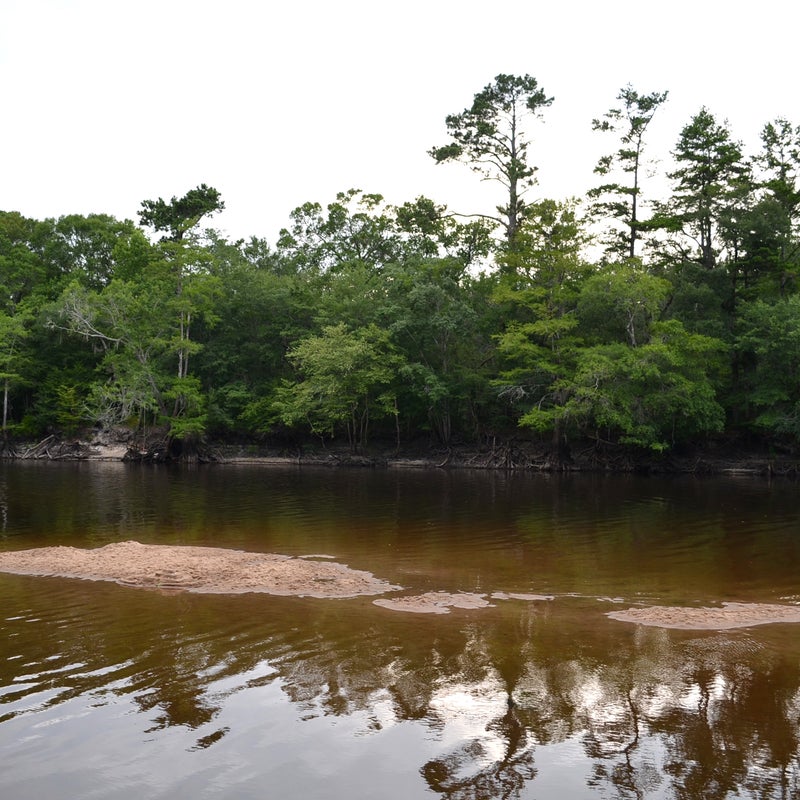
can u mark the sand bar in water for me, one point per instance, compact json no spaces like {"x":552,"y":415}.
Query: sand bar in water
{"x":729,"y":615}
{"x":196,"y":569}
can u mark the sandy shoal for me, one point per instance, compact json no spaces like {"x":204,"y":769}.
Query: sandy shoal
{"x":196,"y":569}
{"x":725,"y":617}
{"x":176,"y":568}
{"x":433,"y":602}
{"x":442,"y":602}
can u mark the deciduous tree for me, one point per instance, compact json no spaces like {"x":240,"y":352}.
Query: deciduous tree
{"x":185,"y":262}
{"x":345,"y":379}
{"x":538,"y":292}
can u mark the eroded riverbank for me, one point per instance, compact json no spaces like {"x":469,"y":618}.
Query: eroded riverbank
{"x":710,"y":459}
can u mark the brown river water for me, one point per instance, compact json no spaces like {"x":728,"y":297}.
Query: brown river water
{"x":113,"y":692}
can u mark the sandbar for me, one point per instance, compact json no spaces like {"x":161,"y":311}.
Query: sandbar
{"x":176,"y":568}
{"x":433,"y":602}
{"x":724,"y":617}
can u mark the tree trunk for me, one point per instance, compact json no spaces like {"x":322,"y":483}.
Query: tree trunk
{"x":5,"y":407}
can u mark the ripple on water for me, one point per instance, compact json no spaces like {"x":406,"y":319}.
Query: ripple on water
{"x":150,"y":696}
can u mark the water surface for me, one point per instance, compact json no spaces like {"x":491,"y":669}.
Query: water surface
{"x":114,"y":692}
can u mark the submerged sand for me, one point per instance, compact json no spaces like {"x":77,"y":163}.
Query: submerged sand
{"x":442,"y":602}
{"x":197,"y":569}
{"x":433,"y":602}
{"x":729,"y":615}
{"x":175,"y":568}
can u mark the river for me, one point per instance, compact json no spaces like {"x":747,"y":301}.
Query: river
{"x":121,"y":693}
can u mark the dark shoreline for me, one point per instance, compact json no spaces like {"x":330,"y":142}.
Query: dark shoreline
{"x":718,"y":458}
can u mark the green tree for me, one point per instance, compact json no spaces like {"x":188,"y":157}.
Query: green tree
{"x":613,"y":371}
{"x":648,"y":382}
{"x":620,"y":199}
{"x":769,"y":340}
{"x":652,"y":396}
{"x":431,"y":312}
{"x":15,"y":359}
{"x":490,"y":137}
{"x":345,"y":380}
{"x":712,"y":182}
{"x":85,"y":248}
{"x":260,"y":306}
{"x":24,"y":289}
{"x":429,"y":231}
{"x":773,"y":231}
{"x":621,"y":302}
{"x":135,"y":327}
{"x":355,"y":228}
{"x":184,"y":264}
{"x":129,"y":325}
{"x":780,"y":159}
{"x":359,"y":229}
{"x":538,"y":293}
{"x":181,"y":214}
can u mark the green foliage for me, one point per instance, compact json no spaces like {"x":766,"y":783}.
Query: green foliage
{"x":429,"y":231}
{"x":621,"y":301}
{"x":489,"y":137}
{"x":15,"y":357}
{"x":620,"y":200}
{"x":228,"y":407}
{"x":696,"y":299}
{"x":70,"y":409}
{"x":259,"y":308}
{"x":780,"y":158}
{"x":188,"y":418}
{"x":178,"y":216}
{"x":538,"y":292}
{"x":346,"y":379}
{"x":650,"y":396}
{"x":401,"y":320}
{"x":430,"y":312}
{"x":769,"y":340}
{"x":712,"y":179}
{"x":138,"y":327}
{"x":355,"y":228}
{"x":773,"y":229}
{"x":87,"y":248}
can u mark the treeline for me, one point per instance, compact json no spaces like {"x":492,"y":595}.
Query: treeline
{"x":619,"y":317}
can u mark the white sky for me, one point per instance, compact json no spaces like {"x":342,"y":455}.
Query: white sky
{"x":110,"y":102}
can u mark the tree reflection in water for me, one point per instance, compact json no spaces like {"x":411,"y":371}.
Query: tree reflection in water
{"x":455,"y":775}
{"x":666,"y":716}
{"x":499,"y":693}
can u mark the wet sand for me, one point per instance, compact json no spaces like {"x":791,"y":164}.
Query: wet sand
{"x":197,"y":569}
{"x":176,"y":568}
{"x":433,"y":602}
{"x":725,"y":617}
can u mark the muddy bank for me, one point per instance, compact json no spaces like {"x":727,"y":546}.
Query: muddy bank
{"x":122,"y":445}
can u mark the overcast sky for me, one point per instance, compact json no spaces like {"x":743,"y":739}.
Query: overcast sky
{"x":110,"y":102}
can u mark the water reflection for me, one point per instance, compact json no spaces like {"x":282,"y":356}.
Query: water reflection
{"x":499,"y":693}
{"x":134,"y":694}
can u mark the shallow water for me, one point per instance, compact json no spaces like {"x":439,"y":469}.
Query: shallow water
{"x":113,"y":692}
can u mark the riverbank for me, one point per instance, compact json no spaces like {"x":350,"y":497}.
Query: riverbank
{"x":712,"y":458}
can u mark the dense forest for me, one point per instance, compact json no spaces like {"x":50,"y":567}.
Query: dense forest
{"x":618,"y":319}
